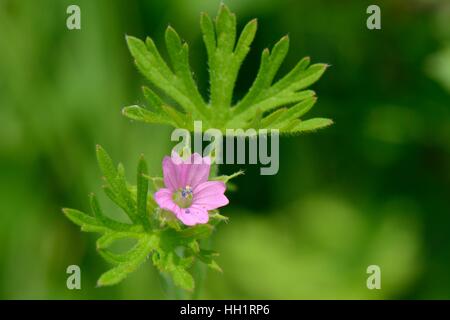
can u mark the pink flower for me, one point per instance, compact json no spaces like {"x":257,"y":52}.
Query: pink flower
{"x":188,"y":193}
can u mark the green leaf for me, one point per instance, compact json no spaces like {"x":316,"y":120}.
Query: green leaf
{"x":304,"y":79}
{"x":115,"y":198}
{"x":277,"y":56}
{"x":117,"y":258}
{"x":207,"y":257}
{"x":225,"y":178}
{"x":294,"y":112}
{"x":182,"y":278}
{"x":245,"y":40}
{"x":142,"y":190}
{"x":209,"y":36}
{"x":293,"y":75}
{"x":222,"y":72}
{"x":177,"y":117}
{"x":311,"y":125}
{"x":282,"y":98}
{"x":158,"y":61}
{"x":133,"y":260}
{"x":226,"y":29}
{"x":152,"y":98}
{"x":225,"y":57}
{"x":104,"y":220}
{"x":106,"y":165}
{"x":215,"y":218}
{"x":112,"y":258}
{"x":270,"y":63}
{"x":300,"y":109}
{"x":117,"y":189}
{"x":85,"y":221}
{"x":255,"y":123}
{"x":157,"y":182}
{"x":157,"y":74}
{"x":179,"y":55}
{"x":109,"y":238}
{"x":200,"y":231}
{"x":169,"y":218}
{"x":290,"y":125}
{"x":123,"y":193}
{"x":140,"y":114}
{"x":176,"y":267}
{"x":258,"y":85}
{"x":274,"y":117}
{"x":194,"y":246}
{"x":149,"y":64}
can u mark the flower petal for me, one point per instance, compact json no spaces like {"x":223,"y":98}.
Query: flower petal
{"x":163,"y":198}
{"x":210,"y":195}
{"x":170,"y":172}
{"x":179,"y":173}
{"x":193,"y":215}
{"x":198,"y":171}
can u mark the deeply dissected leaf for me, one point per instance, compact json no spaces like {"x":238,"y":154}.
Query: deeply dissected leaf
{"x":225,"y":57}
{"x":85,"y":221}
{"x":117,"y":188}
{"x":226,"y":178}
{"x":106,"y":165}
{"x":182,"y":278}
{"x":140,"y":114}
{"x":104,"y":220}
{"x":169,"y":262}
{"x":311,"y":125}
{"x":207,"y":257}
{"x":137,"y":255}
{"x":109,"y":238}
{"x":142,"y":190}
{"x":179,"y":55}
{"x":244,"y":42}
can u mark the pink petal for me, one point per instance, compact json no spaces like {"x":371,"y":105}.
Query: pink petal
{"x":170,"y":172}
{"x":176,"y":159}
{"x":163,"y":198}
{"x":193,"y":215}
{"x":198,"y":171}
{"x":210,"y":195}
{"x":179,"y":173}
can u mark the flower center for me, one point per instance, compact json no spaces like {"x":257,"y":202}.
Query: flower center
{"x":183,"y":197}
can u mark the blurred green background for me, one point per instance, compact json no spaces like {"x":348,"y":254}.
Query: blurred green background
{"x":372,"y":189}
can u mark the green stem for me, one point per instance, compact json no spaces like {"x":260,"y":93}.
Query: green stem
{"x":201,"y":269}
